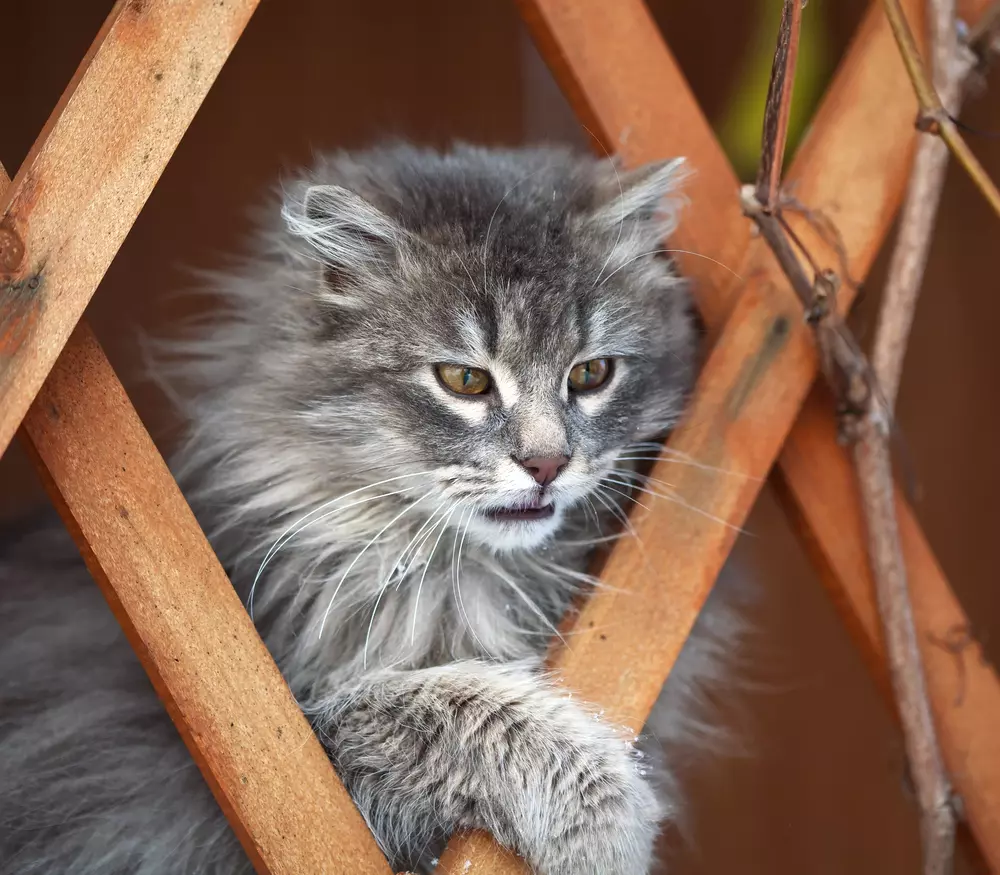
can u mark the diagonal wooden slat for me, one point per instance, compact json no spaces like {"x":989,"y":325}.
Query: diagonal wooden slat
{"x":852,"y":166}
{"x":82,"y":185}
{"x":186,"y":623}
{"x":66,"y":214}
{"x":188,"y":626}
{"x":816,"y":482}
{"x":4,"y":252}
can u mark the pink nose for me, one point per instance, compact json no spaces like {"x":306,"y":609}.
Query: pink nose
{"x":544,"y":469}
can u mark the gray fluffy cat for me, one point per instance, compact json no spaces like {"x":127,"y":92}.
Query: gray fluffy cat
{"x":421,"y":409}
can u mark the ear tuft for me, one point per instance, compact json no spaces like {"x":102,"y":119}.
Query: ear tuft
{"x":343,"y":230}
{"x":647,"y":195}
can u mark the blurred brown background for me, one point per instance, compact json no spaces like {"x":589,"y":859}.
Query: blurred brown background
{"x":821,"y":789}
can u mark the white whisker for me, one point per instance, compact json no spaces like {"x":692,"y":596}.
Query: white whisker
{"x":386,"y":583}
{"x":680,"y":459}
{"x":427,"y":564}
{"x":677,"y":500}
{"x":606,"y":481}
{"x":457,"y":583}
{"x":371,"y":623}
{"x":280,"y":544}
{"x":402,"y":559}
{"x":645,"y":478}
{"x":655,"y":445}
{"x":609,"y":503}
{"x":361,"y":553}
{"x":678,"y":251}
{"x":597,"y":521}
{"x":531,"y":605}
{"x":616,"y":511}
{"x":590,"y":542}
{"x":558,"y":572}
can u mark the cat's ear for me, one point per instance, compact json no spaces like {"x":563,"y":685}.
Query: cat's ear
{"x":350,"y":236}
{"x":642,"y":202}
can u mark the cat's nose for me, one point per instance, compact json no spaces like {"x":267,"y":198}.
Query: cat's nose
{"x":544,"y":469}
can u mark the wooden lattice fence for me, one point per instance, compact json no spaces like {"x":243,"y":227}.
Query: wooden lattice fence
{"x":69,"y":209}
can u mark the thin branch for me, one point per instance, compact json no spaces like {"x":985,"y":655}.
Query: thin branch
{"x":778,"y":108}
{"x":906,"y":268}
{"x":934,"y":795}
{"x":841,"y":359}
{"x":771,"y":230}
{"x":865,"y":402}
{"x":934,"y":118}
{"x":951,"y":67}
{"x":927,"y":97}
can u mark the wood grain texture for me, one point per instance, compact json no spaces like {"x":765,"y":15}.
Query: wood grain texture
{"x":189,"y":628}
{"x":852,"y":166}
{"x":92,"y":168}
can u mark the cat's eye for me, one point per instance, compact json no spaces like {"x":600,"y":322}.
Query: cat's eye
{"x":463,"y":379}
{"x":589,"y":375}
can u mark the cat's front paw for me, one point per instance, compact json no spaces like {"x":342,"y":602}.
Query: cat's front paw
{"x":603,"y":816}
{"x":574,"y":797}
{"x":471,"y":746}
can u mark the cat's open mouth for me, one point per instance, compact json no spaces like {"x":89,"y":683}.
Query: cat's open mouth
{"x":522,"y":513}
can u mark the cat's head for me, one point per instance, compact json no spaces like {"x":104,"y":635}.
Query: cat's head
{"x":483,"y":332}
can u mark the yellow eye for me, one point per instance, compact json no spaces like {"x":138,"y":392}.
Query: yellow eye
{"x":589,"y":375}
{"x":463,"y":379}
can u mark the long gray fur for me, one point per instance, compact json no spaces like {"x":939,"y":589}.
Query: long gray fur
{"x":345,"y":491}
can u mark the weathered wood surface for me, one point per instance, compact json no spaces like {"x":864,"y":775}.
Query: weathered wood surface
{"x":188,"y":626}
{"x":69,"y":210}
{"x":31,"y":337}
{"x":91,"y":169}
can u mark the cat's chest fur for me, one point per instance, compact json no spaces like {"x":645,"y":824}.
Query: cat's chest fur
{"x":410,"y":600}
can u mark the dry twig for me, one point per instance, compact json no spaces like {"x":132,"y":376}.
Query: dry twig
{"x":951,"y":65}
{"x":866,"y":395}
{"x":778,"y":111}
{"x":841,"y":360}
{"x":933,"y":787}
{"x":934,"y":117}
